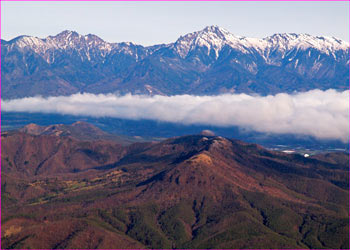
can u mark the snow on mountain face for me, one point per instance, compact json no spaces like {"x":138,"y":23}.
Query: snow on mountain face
{"x":71,"y":39}
{"x":87,"y":46}
{"x":210,"y":61}
{"x":286,"y":42}
{"x":64,"y":40}
{"x":213,"y":38}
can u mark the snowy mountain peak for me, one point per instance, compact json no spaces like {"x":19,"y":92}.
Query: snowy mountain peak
{"x":24,"y":42}
{"x":287,"y":41}
{"x":211,"y":37}
{"x":63,"y":40}
{"x":67,"y":34}
{"x":214,"y":38}
{"x":72,"y":39}
{"x":86,"y":47}
{"x":214,"y":29}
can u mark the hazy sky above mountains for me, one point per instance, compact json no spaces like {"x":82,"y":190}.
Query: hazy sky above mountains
{"x":149,"y":23}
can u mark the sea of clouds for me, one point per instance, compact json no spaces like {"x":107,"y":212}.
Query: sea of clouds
{"x":322,"y":114}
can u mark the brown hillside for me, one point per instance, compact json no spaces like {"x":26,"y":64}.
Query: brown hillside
{"x":186,"y":192}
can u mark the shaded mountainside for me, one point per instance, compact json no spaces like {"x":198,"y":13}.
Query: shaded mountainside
{"x":186,"y":192}
{"x":207,"y":62}
{"x":79,"y":130}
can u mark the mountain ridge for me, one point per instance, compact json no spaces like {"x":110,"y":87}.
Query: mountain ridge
{"x":211,"y":61}
{"x":213,"y":30}
{"x":78,"y":130}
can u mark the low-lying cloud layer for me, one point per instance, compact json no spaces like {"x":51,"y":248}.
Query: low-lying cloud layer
{"x":322,"y":114}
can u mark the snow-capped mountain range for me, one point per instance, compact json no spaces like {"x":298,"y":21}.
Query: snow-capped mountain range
{"x":210,"y":61}
{"x":215,"y":38}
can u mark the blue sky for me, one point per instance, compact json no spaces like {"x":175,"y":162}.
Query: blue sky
{"x":149,"y":23}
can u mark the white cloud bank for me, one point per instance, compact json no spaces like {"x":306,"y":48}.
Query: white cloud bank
{"x":322,"y":114}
